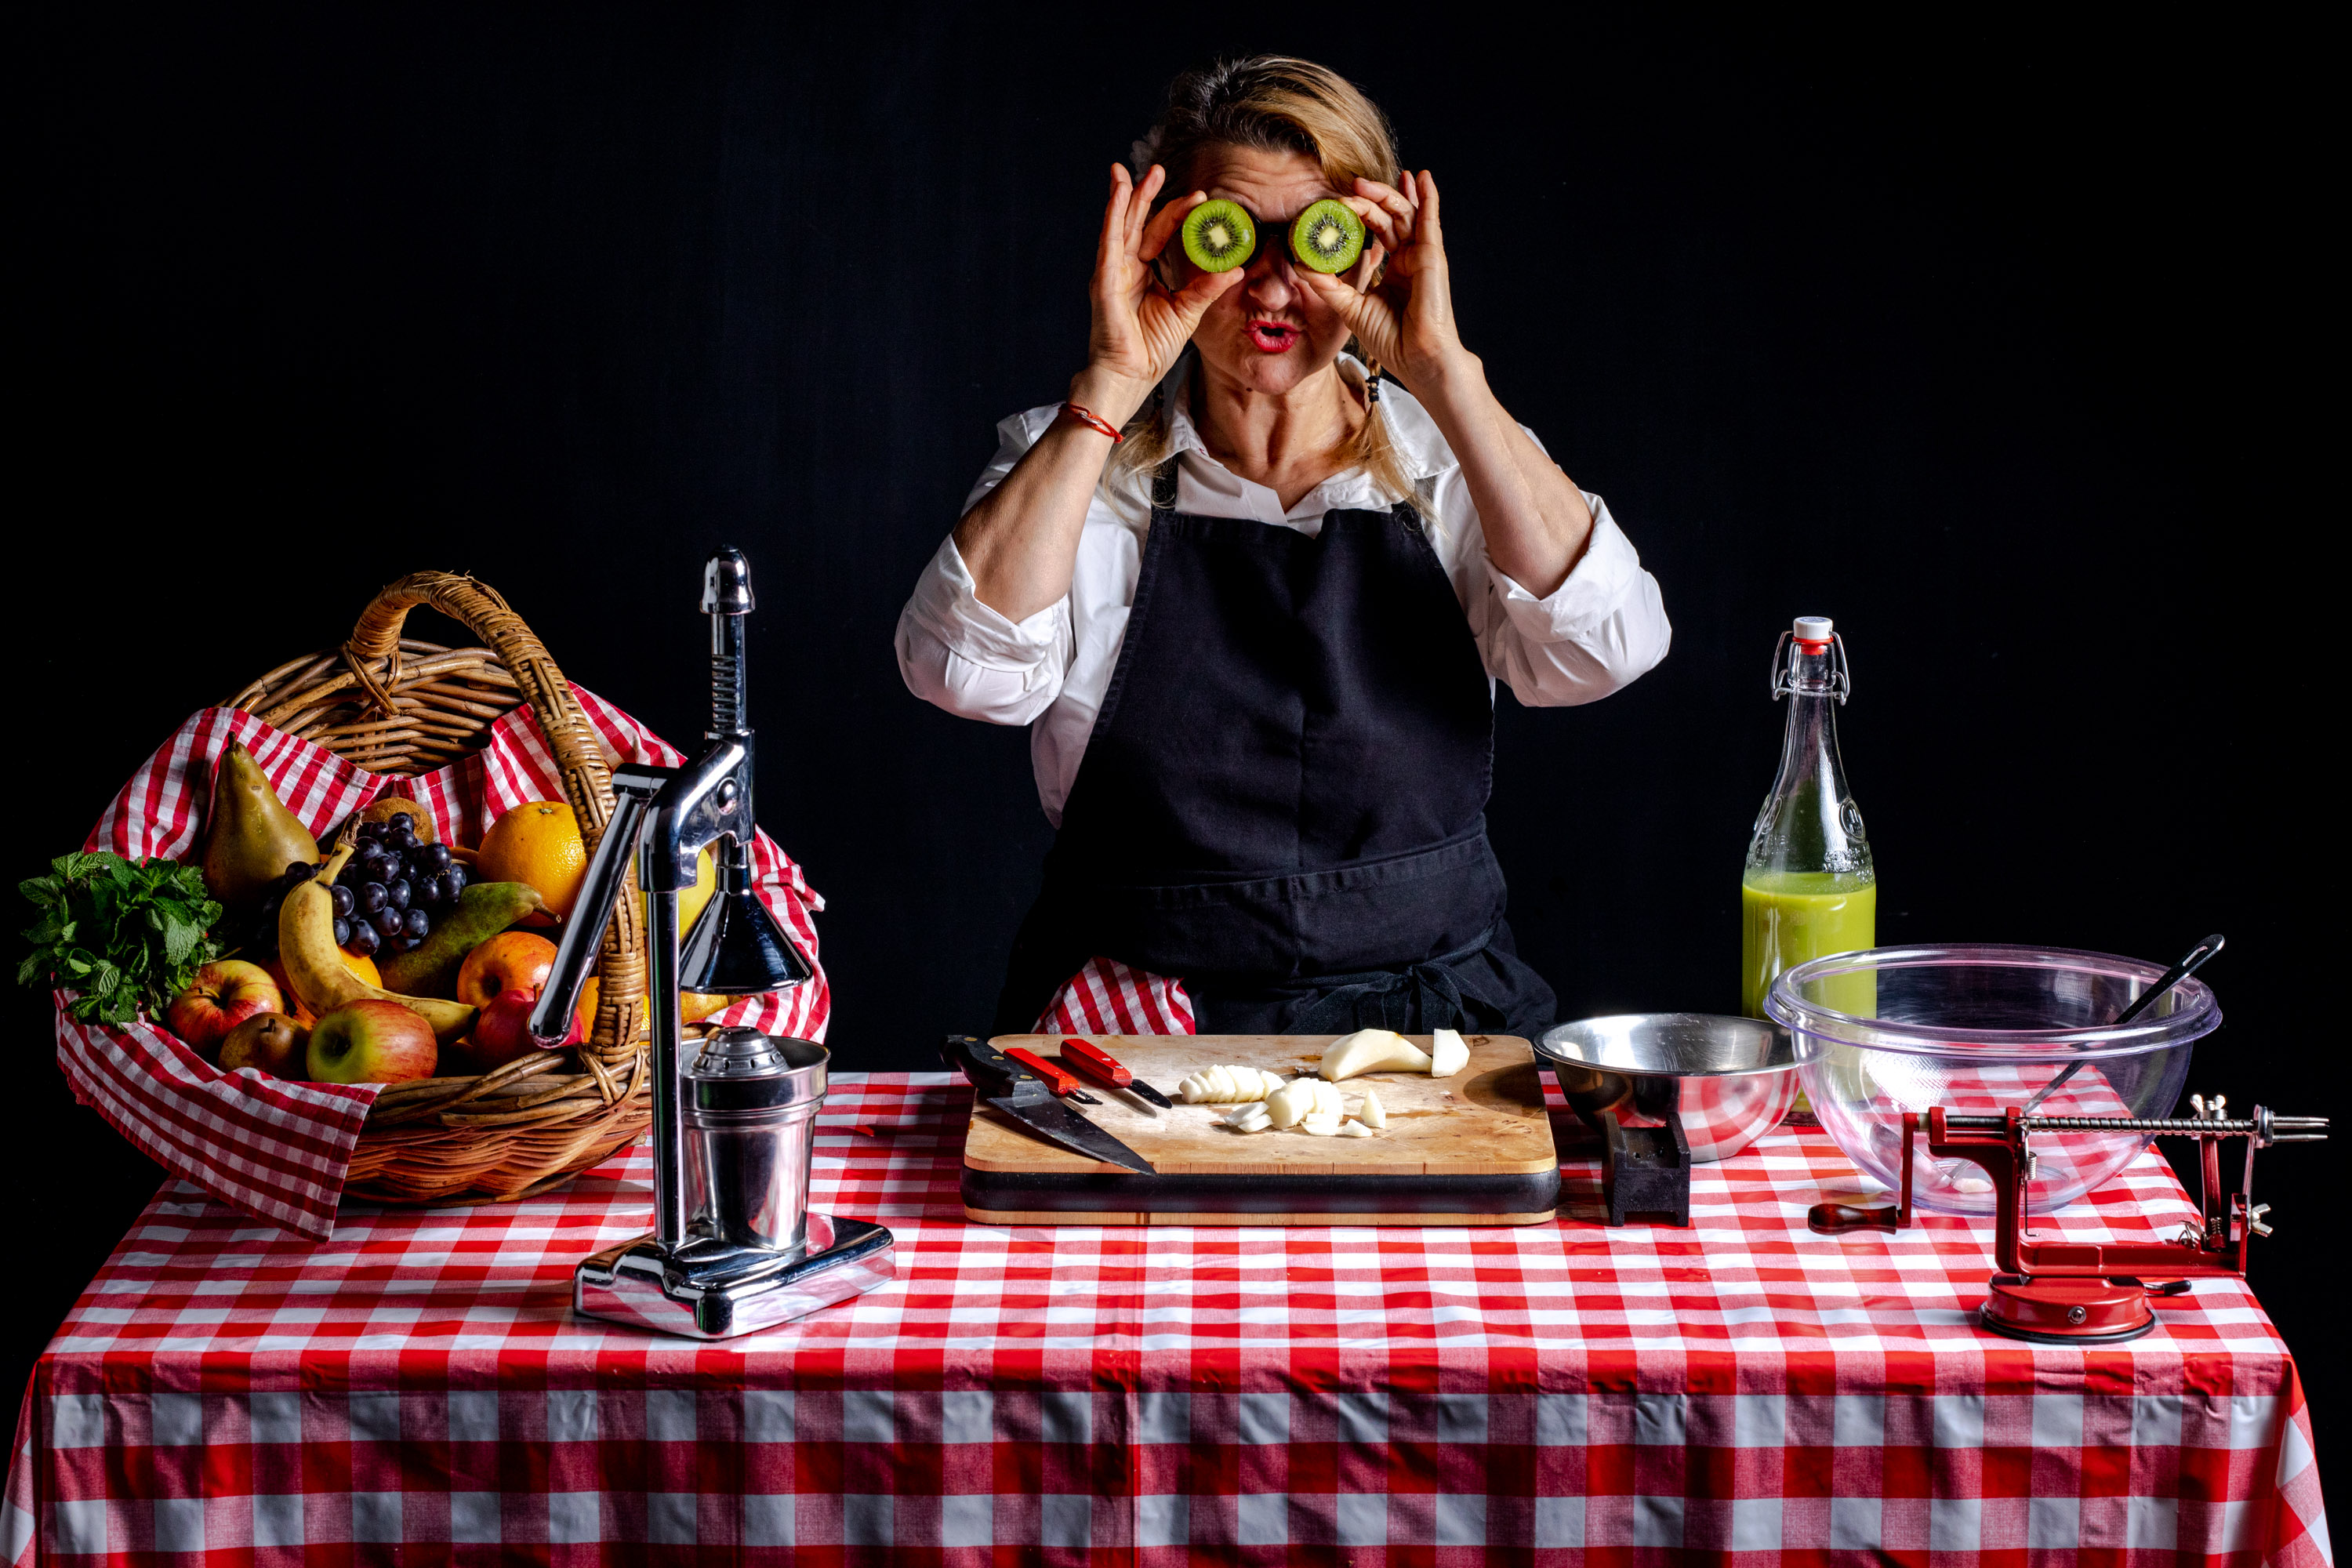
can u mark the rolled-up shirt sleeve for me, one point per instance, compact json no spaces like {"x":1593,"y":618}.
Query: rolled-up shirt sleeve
{"x":956,"y":653}
{"x":1602,"y":630}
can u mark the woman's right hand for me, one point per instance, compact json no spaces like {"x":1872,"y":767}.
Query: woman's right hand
{"x":1139,"y":325}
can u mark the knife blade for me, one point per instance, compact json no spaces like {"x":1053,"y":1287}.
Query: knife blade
{"x":1020,"y":1094}
{"x":1103,"y":1067}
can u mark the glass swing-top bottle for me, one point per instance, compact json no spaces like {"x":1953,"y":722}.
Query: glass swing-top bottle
{"x":1811,"y":886}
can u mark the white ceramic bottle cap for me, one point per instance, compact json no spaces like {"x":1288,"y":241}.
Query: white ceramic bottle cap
{"x":1813,"y":628}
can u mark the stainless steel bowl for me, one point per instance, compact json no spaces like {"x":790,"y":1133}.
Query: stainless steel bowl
{"x":1731,"y":1079}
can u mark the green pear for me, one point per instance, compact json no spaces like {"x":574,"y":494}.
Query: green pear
{"x":483,"y":910}
{"x":252,"y":837}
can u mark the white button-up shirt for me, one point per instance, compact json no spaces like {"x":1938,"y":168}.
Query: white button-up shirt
{"x":1598,"y":631}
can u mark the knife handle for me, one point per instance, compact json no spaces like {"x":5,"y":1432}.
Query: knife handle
{"x":1058,"y":1080}
{"x":1098,"y":1061}
{"x":989,"y":1070}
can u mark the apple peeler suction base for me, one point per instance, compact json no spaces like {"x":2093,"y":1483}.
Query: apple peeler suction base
{"x":718,"y":1293}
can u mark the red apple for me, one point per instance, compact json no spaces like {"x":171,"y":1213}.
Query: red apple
{"x":509,"y":961}
{"x":270,"y":1041}
{"x":503,"y":1031}
{"x":371,"y":1042}
{"x":225,"y":993}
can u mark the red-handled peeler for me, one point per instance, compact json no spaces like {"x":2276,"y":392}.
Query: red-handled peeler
{"x":1103,"y":1067}
{"x":1056,"y":1079}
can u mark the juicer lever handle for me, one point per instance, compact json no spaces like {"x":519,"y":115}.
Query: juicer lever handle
{"x":634,"y":788}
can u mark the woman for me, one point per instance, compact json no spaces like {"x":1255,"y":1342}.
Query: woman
{"x":1254,"y":603}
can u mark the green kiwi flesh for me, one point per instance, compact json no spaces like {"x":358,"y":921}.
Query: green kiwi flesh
{"x":1219,"y":237}
{"x":1328,"y":236}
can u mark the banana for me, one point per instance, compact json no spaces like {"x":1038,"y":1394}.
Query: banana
{"x":306,"y":945}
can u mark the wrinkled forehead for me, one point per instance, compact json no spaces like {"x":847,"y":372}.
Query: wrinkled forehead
{"x":1275,"y":186}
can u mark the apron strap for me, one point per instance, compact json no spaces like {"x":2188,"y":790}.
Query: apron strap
{"x":1163,"y":485}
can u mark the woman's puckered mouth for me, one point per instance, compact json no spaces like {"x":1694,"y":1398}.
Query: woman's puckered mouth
{"x":1273,"y":337}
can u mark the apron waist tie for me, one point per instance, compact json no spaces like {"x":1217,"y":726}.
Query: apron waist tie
{"x":1400,"y":999}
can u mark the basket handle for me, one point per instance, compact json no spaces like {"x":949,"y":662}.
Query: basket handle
{"x":373,"y":655}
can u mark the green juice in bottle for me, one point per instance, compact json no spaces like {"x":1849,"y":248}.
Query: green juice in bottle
{"x":1810,"y":888}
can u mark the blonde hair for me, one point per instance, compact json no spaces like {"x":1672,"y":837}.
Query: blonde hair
{"x":1277,"y":104}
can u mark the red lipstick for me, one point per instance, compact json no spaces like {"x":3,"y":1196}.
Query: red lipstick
{"x":1273,"y":337}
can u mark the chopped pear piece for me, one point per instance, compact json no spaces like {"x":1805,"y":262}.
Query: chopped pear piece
{"x":1290,"y":1103}
{"x":1372,"y":1113}
{"x":1224,"y":1085}
{"x":1448,"y":1054}
{"x":1351,"y":1127}
{"x":1250,"y":1118}
{"x":1373,"y":1050}
{"x":1320,"y":1126}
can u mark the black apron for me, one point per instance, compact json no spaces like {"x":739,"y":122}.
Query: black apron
{"x":1283,"y":802}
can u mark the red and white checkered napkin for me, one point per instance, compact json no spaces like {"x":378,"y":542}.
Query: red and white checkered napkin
{"x":276,"y":1150}
{"x":1107,"y":997}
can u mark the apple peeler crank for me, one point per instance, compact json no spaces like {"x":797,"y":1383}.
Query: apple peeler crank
{"x":733,"y":1247}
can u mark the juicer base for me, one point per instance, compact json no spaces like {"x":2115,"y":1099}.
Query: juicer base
{"x":640,"y":1283}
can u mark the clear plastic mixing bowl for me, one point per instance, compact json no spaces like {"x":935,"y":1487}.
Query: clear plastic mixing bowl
{"x":1981,"y":1027}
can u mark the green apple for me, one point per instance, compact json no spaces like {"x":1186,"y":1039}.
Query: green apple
{"x":373,"y":1041}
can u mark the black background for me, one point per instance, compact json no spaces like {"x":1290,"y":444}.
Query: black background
{"x":1984,"y":341}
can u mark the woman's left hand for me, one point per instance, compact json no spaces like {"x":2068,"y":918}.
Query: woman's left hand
{"x":1406,"y":321}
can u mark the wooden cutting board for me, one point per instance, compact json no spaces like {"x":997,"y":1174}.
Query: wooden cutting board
{"x":1454,"y":1149}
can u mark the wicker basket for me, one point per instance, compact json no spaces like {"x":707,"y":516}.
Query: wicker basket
{"x":400,"y":708}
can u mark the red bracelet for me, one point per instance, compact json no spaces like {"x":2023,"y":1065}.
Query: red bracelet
{"x":1088,"y":417}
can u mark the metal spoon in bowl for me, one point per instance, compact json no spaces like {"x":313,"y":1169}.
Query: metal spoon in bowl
{"x":2189,"y":963}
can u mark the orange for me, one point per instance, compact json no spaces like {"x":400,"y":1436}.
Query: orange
{"x":364,"y":967}
{"x":536,"y":843}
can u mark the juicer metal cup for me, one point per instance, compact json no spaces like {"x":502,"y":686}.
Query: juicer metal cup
{"x":750,"y":1120}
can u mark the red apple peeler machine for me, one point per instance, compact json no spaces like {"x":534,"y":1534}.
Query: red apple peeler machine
{"x":2072,"y":1292}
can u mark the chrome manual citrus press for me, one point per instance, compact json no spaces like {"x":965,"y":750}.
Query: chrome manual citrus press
{"x":733,"y":1247}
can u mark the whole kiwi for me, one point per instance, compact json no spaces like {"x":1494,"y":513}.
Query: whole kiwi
{"x":1219,"y":236}
{"x":1328,"y":236}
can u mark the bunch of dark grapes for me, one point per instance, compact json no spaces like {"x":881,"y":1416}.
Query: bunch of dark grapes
{"x":394,"y":888}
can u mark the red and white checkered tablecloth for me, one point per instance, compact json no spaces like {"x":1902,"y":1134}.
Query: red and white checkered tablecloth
{"x":416,"y":1389}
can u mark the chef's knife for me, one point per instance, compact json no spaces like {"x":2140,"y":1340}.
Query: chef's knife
{"x":1020,"y":1094}
{"x":1103,"y":1067}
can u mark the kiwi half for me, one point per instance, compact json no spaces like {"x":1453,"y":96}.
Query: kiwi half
{"x":1219,"y":236}
{"x":1328,"y":236}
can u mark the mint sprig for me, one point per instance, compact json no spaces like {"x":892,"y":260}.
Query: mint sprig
{"x":127,"y":934}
